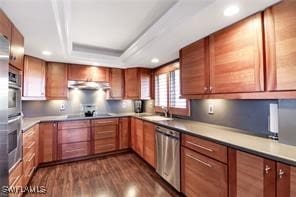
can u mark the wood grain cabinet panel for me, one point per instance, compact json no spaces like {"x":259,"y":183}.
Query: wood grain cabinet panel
{"x":73,"y":135}
{"x":17,"y":49}
{"x":5,"y":25}
{"x":138,"y":83}
{"x":236,"y":57}
{"x":103,"y":132}
{"x":133,"y":133}
{"x":104,"y":122}
{"x":116,"y":83}
{"x":75,"y":124}
{"x":124,"y":133}
{"x":202,"y":176}
{"x":73,"y":150}
{"x":251,"y":175}
{"x":16,"y":174}
{"x":34,"y":78}
{"x":88,"y":73}
{"x":105,"y":145}
{"x":47,"y":142}
{"x":280,"y":35}
{"x":149,"y":143}
{"x":56,"y":81}
{"x":194,"y":68}
{"x":139,"y":143}
{"x":208,"y":148}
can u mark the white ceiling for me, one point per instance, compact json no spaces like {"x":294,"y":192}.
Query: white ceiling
{"x":120,"y":33}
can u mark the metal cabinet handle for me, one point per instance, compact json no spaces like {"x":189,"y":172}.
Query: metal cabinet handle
{"x":200,"y":161}
{"x":31,"y":158}
{"x":211,"y":88}
{"x":267,"y":168}
{"x":31,"y":145}
{"x":31,"y":172}
{"x":199,"y":146}
{"x":281,"y":173}
{"x":14,"y":58}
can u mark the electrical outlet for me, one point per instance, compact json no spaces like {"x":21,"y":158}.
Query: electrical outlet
{"x":62,"y":107}
{"x":211,"y":109}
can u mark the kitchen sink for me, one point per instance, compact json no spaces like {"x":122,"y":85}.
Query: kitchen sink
{"x":157,"y":118}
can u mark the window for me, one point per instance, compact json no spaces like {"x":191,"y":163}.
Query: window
{"x":167,"y":90}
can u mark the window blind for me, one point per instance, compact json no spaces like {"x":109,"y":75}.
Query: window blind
{"x":175,"y":92}
{"x":161,"y":87}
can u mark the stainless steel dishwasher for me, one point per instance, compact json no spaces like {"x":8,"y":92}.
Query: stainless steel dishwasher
{"x":168,"y":155}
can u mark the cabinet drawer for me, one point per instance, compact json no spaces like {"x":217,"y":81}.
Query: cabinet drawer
{"x":105,"y":121}
{"x":29,"y":162}
{"x":29,"y":149}
{"x":103,"y":132}
{"x":29,"y":136}
{"x":211,"y":149}
{"x":16,"y":174}
{"x":202,"y":175}
{"x":104,"y":145}
{"x":73,"y":150}
{"x":74,"y":124}
{"x":73,"y":135}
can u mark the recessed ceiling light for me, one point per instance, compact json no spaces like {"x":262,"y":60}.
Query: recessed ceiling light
{"x":47,"y":53}
{"x":231,"y":10}
{"x":155,"y":60}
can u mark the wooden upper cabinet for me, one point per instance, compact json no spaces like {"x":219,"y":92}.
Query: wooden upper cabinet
{"x":116,"y":83}
{"x":5,"y":25}
{"x":56,"y":81}
{"x":47,"y":142}
{"x":194,"y":68}
{"x":251,"y":175}
{"x":16,"y":49}
{"x":280,"y":35}
{"x":236,"y":57}
{"x":149,"y":143}
{"x":138,"y":83}
{"x":88,"y":73}
{"x":34,"y":78}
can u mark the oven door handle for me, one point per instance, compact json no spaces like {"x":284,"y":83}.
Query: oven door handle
{"x":14,"y":119}
{"x":14,"y":86}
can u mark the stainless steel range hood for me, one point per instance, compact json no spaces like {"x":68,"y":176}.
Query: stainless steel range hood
{"x":88,"y":85}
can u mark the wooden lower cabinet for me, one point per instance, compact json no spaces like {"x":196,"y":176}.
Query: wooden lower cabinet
{"x":251,"y":175}
{"x":105,"y":138}
{"x":72,"y":150}
{"x":149,"y":143}
{"x":124,"y":133}
{"x":16,"y":178}
{"x":47,"y":142}
{"x":286,"y":180}
{"x":74,"y":139}
{"x":133,"y":133}
{"x":202,"y":176}
{"x":30,"y":152}
{"x":139,"y":145}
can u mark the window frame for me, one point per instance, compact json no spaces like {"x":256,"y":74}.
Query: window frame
{"x":167,"y":69}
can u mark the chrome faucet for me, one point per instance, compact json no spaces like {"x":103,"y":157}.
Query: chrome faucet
{"x":165,"y":110}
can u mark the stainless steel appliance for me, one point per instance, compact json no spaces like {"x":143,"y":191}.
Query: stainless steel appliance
{"x":4,"y":60}
{"x":138,"y":106}
{"x":14,"y":92}
{"x":168,"y":155}
{"x":14,"y":141}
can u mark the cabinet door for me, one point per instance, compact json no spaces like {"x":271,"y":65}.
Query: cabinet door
{"x":56,"y":81}
{"x":124,"y":133}
{"x":139,"y":137}
{"x":194,"y":68}
{"x":133,"y":133}
{"x":280,"y":34}
{"x":132,"y":85}
{"x":149,"y":143}
{"x":34,"y":78}
{"x":17,"y":49}
{"x":145,"y":84}
{"x":250,"y":175}
{"x":47,"y":142}
{"x":286,"y":180}
{"x":202,"y":176}
{"x":5,"y":25}
{"x":116,"y":83}
{"x":236,"y":57}
{"x":88,"y":73}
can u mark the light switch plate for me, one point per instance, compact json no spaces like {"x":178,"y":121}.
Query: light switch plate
{"x":211,"y":109}
{"x":62,"y":107}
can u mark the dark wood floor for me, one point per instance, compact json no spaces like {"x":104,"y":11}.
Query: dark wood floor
{"x":118,"y":175}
